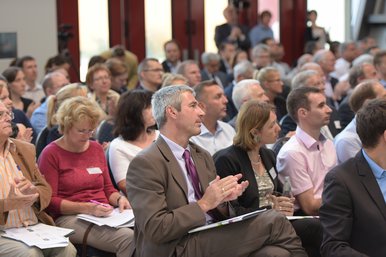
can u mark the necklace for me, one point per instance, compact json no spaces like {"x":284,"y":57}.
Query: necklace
{"x":255,"y":162}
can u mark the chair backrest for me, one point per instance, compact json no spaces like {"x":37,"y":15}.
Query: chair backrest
{"x":41,"y":141}
{"x":104,"y":132}
{"x":109,"y":168}
{"x":279,"y":144}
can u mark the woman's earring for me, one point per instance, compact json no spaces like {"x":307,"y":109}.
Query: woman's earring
{"x":256,"y":138}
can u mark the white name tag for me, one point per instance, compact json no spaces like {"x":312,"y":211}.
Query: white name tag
{"x":272,"y":172}
{"x":337,"y":124}
{"x":94,"y":170}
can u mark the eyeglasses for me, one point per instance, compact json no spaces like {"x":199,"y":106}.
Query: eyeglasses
{"x":85,"y":132}
{"x":154,"y":70}
{"x":273,"y":81}
{"x":3,"y":115}
{"x":102,"y":78}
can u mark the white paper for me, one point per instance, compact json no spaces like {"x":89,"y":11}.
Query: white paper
{"x":301,"y":217}
{"x":116,"y":219}
{"x":40,"y":235}
{"x":228,"y":221}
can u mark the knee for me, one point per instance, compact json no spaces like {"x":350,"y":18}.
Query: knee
{"x":271,"y":251}
{"x":33,"y":252}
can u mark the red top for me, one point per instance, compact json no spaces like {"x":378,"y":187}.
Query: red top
{"x":77,"y":177}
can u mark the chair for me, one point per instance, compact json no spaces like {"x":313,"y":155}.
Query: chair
{"x":41,"y":141}
{"x":279,"y":144}
{"x":104,"y":132}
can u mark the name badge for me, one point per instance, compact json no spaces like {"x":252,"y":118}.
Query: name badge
{"x":272,"y":172}
{"x":94,"y":170}
{"x":337,"y":124}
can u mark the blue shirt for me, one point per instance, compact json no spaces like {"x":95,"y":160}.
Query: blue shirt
{"x":379,"y":173}
{"x":258,"y":33}
{"x":39,"y":117}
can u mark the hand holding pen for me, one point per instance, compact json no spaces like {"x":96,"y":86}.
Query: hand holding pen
{"x":100,"y":209}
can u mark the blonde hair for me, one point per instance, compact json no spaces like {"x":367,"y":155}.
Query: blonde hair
{"x":253,"y":114}
{"x":55,"y":101}
{"x":92,"y":70}
{"x":77,"y":109}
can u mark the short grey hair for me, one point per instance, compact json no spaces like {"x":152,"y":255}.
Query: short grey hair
{"x":144,"y":65}
{"x":181,"y":67}
{"x":242,"y":68}
{"x":301,"y":78}
{"x":241,"y":90}
{"x":258,"y":49}
{"x":167,"y":96}
{"x":208,"y":57}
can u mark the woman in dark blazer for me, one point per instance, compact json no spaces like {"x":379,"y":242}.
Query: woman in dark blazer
{"x":257,"y":126}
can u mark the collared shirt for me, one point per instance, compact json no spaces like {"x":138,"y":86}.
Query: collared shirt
{"x":258,"y":33}
{"x":8,"y":172}
{"x":173,"y":68}
{"x":306,"y":161}
{"x":36,"y":93}
{"x":347,"y":142}
{"x":178,"y":151}
{"x":379,"y":173}
{"x":39,"y":117}
{"x":222,"y":138}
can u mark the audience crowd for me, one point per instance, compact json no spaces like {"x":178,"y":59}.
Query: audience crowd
{"x":185,"y":143}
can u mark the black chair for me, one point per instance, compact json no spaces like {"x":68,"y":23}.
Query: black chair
{"x":104,"y":132}
{"x":41,"y":141}
{"x":278,"y":144}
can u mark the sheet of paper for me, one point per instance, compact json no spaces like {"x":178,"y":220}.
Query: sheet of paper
{"x":228,"y":221}
{"x":301,"y":217}
{"x":115,"y":219}
{"x":40,"y":235}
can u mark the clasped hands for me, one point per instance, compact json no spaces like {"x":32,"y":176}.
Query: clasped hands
{"x":22,"y":194}
{"x":283,"y":204}
{"x":222,"y":190}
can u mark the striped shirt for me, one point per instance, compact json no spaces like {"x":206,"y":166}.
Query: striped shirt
{"x":8,"y":172}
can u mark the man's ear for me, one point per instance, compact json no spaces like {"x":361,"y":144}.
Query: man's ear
{"x":302,"y":112}
{"x":171,"y":112}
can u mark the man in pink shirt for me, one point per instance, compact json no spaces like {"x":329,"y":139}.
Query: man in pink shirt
{"x":308,"y":156}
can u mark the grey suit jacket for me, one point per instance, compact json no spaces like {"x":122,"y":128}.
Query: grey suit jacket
{"x":353,"y":211}
{"x":158,"y":194}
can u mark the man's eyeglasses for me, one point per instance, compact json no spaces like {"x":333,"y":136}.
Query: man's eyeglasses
{"x":3,"y":115}
{"x":154,"y":70}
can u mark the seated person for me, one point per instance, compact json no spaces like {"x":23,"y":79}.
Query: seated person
{"x":55,"y":101}
{"x":135,"y":129}
{"x":308,"y":155}
{"x":24,"y":193}
{"x":76,"y":169}
{"x":353,"y":208}
{"x":257,"y":127}
{"x":173,"y":188}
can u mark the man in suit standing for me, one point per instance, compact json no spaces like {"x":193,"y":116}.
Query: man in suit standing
{"x":173,"y":188}
{"x":353,"y":213}
{"x":231,"y":31}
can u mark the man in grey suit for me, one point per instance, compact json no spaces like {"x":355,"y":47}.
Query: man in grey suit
{"x":353,"y":211}
{"x":172,"y":193}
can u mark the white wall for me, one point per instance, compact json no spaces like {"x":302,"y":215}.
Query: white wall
{"x":35,"y":23}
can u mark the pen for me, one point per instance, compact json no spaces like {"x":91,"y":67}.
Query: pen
{"x":99,"y":203}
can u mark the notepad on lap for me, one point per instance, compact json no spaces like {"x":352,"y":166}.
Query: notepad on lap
{"x":228,"y":221}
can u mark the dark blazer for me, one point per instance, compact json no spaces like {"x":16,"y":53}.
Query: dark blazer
{"x":233,"y":160}
{"x":223,"y":31}
{"x":345,"y":113}
{"x":231,"y":109}
{"x":353,"y":211}
{"x":219,"y":74}
{"x":165,"y":66}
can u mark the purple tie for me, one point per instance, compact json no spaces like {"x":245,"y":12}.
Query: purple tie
{"x":192,"y":172}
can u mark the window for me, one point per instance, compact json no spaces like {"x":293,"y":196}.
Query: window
{"x":93,"y":31}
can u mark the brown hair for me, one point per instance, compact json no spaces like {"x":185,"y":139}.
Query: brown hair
{"x":253,"y":114}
